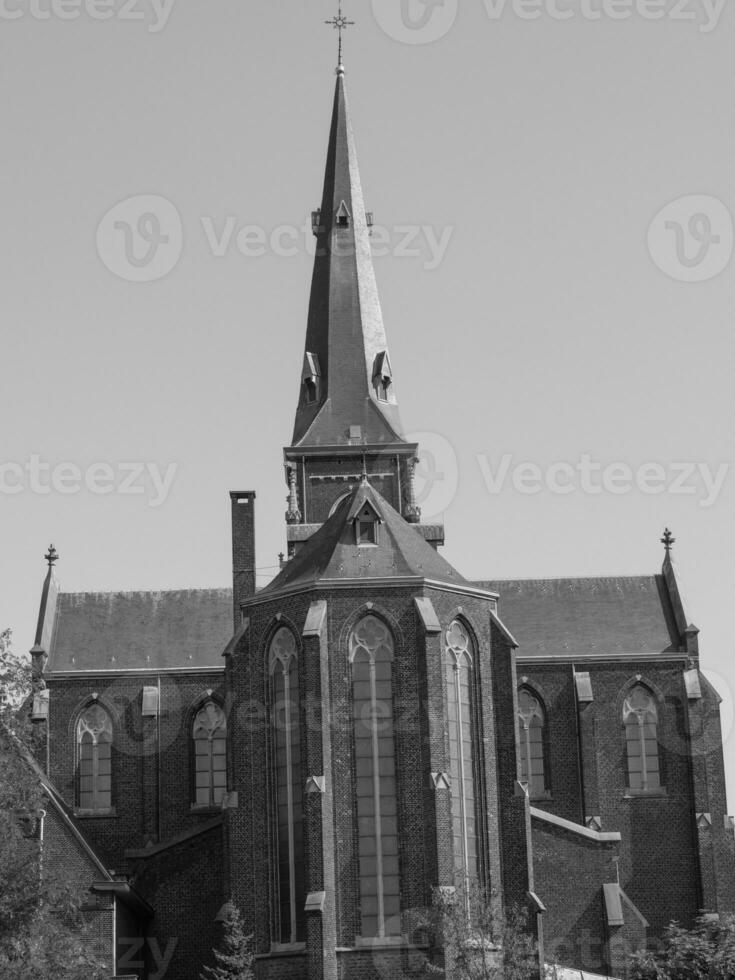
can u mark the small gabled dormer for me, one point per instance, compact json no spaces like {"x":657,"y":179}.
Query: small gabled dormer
{"x":310,"y":379}
{"x":342,"y":217}
{"x":367,"y":523}
{"x":382,"y":376}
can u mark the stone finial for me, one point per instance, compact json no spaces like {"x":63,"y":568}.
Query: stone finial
{"x":668,"y":541}
{"x":293,"y":514}
{"x":411,"y":510}
{"x":52,"y":556}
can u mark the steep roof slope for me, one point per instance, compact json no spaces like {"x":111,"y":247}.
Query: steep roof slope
{"x":577,"y":617}
{"x":107,"y":631}
{"x":332,"y":553}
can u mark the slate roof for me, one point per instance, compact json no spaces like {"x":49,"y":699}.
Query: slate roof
{"x":577,"y":617}
{"x":108,"y":631}
{"x":332,"y":553}
{"x":345,"y":324}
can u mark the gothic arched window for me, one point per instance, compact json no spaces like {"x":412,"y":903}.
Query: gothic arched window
{"x":288,"y":786}
{"x":371,"y":654}
{"x":532,"y":725}
{"x":640,"y":718}
{"x":459,"y":659}
{"x":210,"y":755}
{"x":94,"y":759}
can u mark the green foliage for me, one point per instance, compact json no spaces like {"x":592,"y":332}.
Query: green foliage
{"x":480,"y":941}
{"x":235,"y":959}
{"x":54,"y":944}
{"x":15,"y":679}
{"x":706,"y":951}
{"x":42,"y":929}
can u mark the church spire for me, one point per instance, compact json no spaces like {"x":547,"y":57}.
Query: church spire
{"x":347,"y":390}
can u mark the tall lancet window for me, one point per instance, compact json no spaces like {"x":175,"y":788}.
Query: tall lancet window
{"x":288,"y":793}
{"x":640,"y":718}
{"x":459,"y":659}
{"x":94,"y":759}
{"x":210,"y":755}
{"x":371,"y":653}
{"x":532,"y":725}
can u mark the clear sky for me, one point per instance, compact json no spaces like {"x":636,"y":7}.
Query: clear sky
{"x":565,"y":296}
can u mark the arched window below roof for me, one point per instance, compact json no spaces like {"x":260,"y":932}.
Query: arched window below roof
{"x":532,"y":727}
{"x":640,"y":720}
{"x":209,"y":733}
{"x":371,"y":654}
{"x":94,"y":759}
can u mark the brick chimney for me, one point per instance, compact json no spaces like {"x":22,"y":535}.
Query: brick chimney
{"x":243,"y":549}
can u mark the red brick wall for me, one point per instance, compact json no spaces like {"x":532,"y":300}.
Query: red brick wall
{"x":420,"y":725}
{"x":660,"y":862}
{"x":570,"y":872}
{"x":184,"y":884}
{"x":141,"y":813}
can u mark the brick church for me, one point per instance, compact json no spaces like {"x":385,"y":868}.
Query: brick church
{"x":327,"y":751}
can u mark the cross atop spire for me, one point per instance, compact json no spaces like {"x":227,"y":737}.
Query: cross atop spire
{"x":340,"y":23}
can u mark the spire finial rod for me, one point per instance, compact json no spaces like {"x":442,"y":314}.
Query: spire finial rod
{"x":52,"y":556}
{"x":668,"y":541}
{"x":340,"y":23}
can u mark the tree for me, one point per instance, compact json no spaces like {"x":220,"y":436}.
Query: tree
{"x":706,"y":951}
{"x":235,"y":960}
{"x":42,"y":929}
{"x":480,"y":941}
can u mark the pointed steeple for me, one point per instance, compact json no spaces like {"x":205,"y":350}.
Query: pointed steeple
{"x":347,"y":392}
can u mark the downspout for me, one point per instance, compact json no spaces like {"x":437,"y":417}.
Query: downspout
{"x":114,"y":934}
{"x":42,"y":817}
{"x":580,"y":764}
{"x":48,"y":740}
{"x":158,"y":766}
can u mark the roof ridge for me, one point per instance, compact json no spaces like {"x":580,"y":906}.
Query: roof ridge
{"x":137,"y":592}
{"x":575,"y":578}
